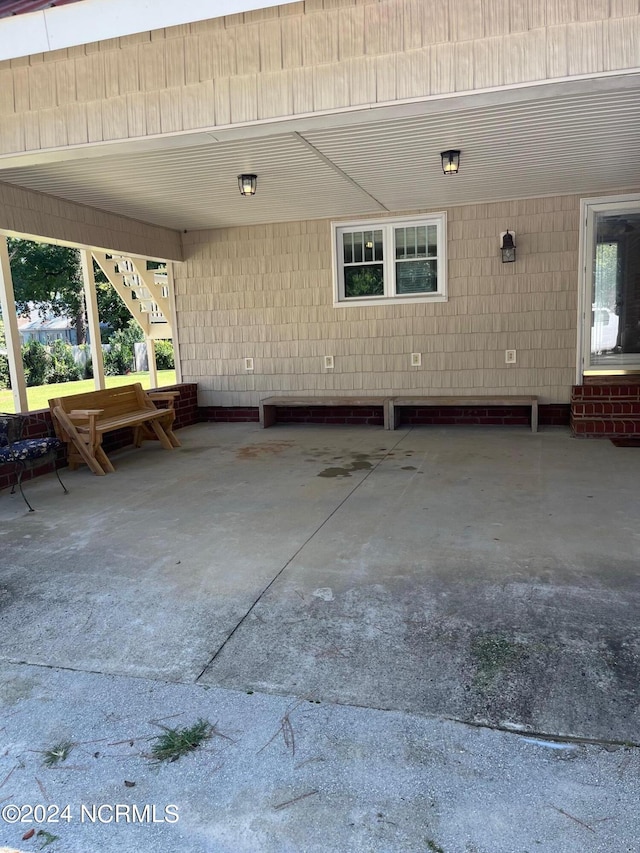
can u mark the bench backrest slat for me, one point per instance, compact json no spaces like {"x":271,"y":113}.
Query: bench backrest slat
{"x":115,"y":401}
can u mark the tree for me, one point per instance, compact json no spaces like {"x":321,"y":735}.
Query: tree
{"x":51,"y":277}
{"x":111,"y":308}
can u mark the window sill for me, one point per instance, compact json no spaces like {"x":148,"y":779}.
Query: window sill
{"x":389,"y":300}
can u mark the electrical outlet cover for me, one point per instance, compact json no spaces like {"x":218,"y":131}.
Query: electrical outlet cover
{"x":416,"y":359}
{"x":328,"y":362}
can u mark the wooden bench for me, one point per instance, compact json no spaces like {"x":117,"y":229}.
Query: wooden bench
{"x":81,"y":420}
{"x":395,"y":403}
{"x":269,"y":405}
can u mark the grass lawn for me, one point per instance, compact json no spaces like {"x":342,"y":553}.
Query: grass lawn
{"x":39,"y":395}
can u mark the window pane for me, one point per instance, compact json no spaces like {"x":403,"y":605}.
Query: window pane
{"x":421,"y":241}
{"x":347,"y":242}
{"x":377,"y":239}
{"x":358,"y":255}
{"x":432,"y":233}
{"x":363,"y":281}
{"x":416,"y":277}
{"x":368,"y":245}
{"x":416,"y":242}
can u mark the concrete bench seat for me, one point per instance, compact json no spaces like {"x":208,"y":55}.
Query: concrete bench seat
{"x":269,"y":406}
{"x":396,"y":403}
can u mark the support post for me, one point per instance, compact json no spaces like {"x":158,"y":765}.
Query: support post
{"x":12,"y":335}
{"x":151,"y":359}
{"x":174,"y":321}
{"x":93,"y":318}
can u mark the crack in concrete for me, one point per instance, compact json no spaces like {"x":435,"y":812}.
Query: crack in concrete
{"x":295,"y":554}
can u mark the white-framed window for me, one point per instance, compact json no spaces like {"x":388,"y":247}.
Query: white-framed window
{"x":390,"y":260}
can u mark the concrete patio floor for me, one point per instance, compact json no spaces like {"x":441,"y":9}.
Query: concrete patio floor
{"x":428,"y":579}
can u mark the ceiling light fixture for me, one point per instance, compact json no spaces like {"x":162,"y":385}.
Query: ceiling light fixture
{"x":247,"y":184}
{"x":450,"y":162}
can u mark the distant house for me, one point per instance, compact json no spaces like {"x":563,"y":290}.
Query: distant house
{"x":46,"y":329}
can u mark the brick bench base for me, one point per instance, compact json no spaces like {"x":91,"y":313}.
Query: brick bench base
{"x":399,"y":405}
{"x":270,"y":405}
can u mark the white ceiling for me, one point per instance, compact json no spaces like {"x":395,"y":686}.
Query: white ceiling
{"x":586,"y":142}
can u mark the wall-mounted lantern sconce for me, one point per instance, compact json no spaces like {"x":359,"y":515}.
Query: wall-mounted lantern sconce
{"x":450,"y":162}
{"x":508,"y":247}
{"x":247,"y":184}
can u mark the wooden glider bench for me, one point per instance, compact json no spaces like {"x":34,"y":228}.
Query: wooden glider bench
{"x":81,"y":420}
{"x":269,"y":405}
{"x":396,"y":403}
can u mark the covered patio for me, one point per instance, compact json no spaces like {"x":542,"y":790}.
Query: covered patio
{"x":397,"y":636}
{"x":367,"y":589}
{"x":478,"y":574}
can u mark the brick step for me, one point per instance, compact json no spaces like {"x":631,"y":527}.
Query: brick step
{"x":589,"y":393}
{"x":606,"y":408}
{"x":601,"y":427}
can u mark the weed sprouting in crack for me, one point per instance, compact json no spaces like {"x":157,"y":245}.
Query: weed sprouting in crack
{"x":173,"y":743}
{"x":58,"y":753}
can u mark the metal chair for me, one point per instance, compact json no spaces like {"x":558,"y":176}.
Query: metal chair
{"x":25,"y":453}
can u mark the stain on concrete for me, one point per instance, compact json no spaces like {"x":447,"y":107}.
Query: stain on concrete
{"x":16,"y":689}
{"x":409,"y":468}
{"x":622,"y":661}
{"x":325,"y":593}
{"x":263,"y":450}
{"x":360,"y":462}
{"x":492,"y":653}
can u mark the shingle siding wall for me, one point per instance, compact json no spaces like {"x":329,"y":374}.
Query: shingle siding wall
{"x":301,"y":58}
{"x":44,"y":216}
{"x":266,"y":292}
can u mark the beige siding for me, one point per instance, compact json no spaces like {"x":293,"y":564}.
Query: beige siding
{"x":266,"y":292}
{"x":43,"y":216}
{"x":306,"y":57}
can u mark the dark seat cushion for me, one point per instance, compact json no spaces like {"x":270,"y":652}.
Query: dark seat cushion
{"x":28,"y":448}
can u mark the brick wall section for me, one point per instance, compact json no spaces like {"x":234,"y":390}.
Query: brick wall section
{"x":372,"y":415}
{"x":505,"y":415}
{"x":554,"y":414}
{"x":610,"y":410}
{"x":187,"y":412}
{"x":41,"y":424}
{"x":230,"y":414}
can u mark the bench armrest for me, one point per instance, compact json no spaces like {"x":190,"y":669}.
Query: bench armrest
{"x":90,"y":415}
{"x":163,"y":395}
